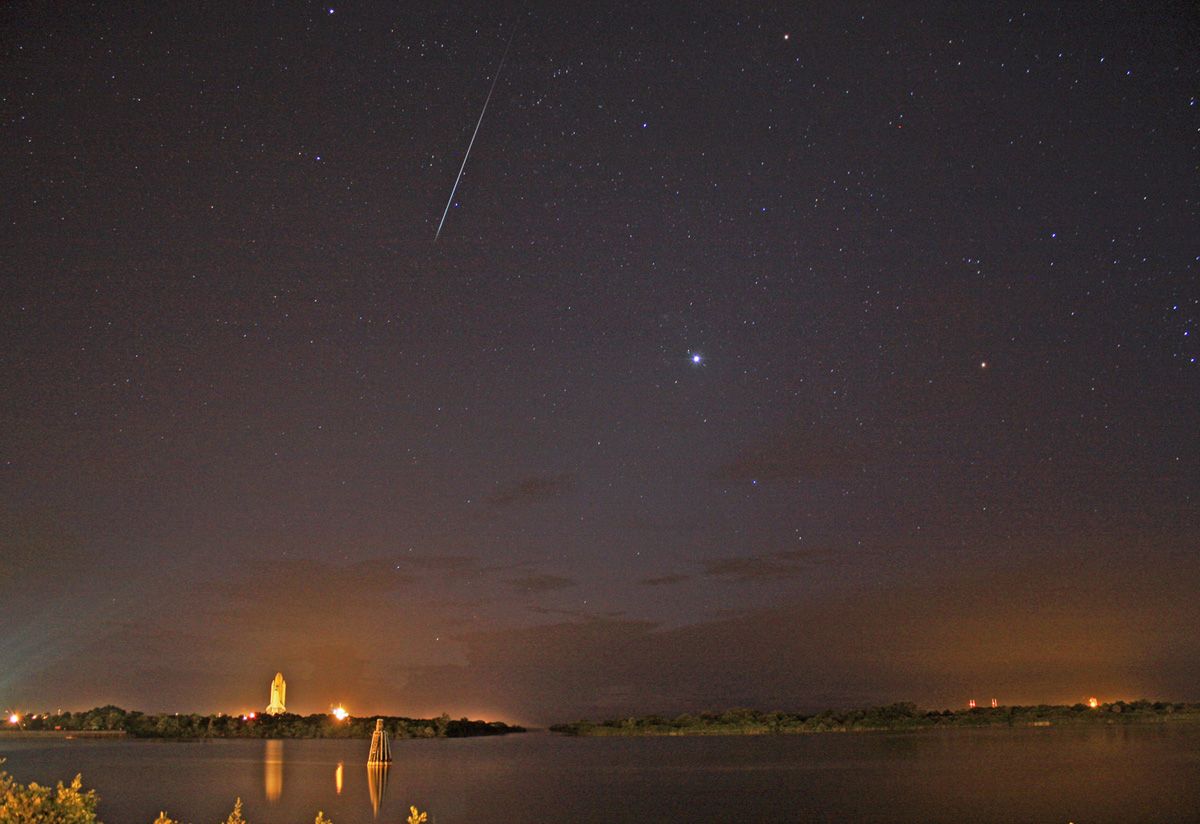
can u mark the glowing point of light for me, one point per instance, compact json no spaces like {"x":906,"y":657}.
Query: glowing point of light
{"x":340,"y":713}
{"x":971,"y":703}
{"x":697,"y":358}
{"x":252,"y":715}
{"x":787,"y":37}
{"x":14,"y":719}
{"x":983,"y":364}
{"x":1093,"y":703}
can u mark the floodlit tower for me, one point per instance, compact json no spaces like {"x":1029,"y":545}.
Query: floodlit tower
{"x":278,"y":691}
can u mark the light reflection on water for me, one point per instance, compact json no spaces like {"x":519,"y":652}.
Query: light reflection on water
{"x":1092,"y":775}
{"x":377,"y":775}
{"x":273,"y":770}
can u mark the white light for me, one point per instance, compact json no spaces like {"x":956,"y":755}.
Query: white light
{"x":696,"y":358}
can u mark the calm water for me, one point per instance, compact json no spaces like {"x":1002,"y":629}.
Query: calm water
{"x":1147,"y":773}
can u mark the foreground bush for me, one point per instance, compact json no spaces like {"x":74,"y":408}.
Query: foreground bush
{"x":71,"y":804}
{"x":35,"y":804}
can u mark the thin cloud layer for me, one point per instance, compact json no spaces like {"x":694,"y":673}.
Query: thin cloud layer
{"x":532,"y":490}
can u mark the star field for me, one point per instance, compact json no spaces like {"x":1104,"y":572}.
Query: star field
{"x":742,"y":319}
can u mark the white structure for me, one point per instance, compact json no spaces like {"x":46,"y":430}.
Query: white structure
{"x":278,"y":690}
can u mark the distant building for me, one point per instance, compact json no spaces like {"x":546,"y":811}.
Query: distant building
{"x":278,"y":691}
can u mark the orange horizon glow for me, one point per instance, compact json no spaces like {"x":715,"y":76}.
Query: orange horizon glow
{"x":1093,"y":703}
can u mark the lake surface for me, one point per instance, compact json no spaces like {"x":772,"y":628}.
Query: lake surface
{"x":1085,"y":775}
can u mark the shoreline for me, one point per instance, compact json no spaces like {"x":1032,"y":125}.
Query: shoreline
{"x":111,"y":721}
{"x":893,"y":718}
{"x":66,"y":734}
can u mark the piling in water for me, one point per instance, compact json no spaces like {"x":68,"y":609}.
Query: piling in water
{"x":380,"y":752}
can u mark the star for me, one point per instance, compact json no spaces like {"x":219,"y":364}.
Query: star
{"x":697,"y":358}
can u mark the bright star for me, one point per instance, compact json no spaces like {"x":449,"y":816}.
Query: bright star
{"x":697,"y":358}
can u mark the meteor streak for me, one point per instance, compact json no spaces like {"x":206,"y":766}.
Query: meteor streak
{"x":478,"y":123}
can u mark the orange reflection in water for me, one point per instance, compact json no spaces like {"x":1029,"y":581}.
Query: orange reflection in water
{"x":337,"y":777}
{"x":273,"y":770}
{"x":377,"y":775}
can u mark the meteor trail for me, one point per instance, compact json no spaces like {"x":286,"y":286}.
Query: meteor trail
{"x":478,"y":123}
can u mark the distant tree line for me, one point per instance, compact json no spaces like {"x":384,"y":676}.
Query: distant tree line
{"x":900,"y":716}
{"x":286,"y":725}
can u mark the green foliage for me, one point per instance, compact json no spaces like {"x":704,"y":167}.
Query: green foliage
{"x":35,"y":804}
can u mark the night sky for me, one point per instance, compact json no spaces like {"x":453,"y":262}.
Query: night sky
{"x":785,"y":356}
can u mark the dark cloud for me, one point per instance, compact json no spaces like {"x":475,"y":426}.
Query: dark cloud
{"x":538,"y":609}
{"x":664,"y":580}
{"x":309,"y":579}
{"x":542,"y":583}
{"x":440,"y":563}
{"x":775,"y":565}
{"x":805,"y":450}
{"x":533,"y":489}
{"x":1064,"y":628}
{"x":1024,"y":639}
